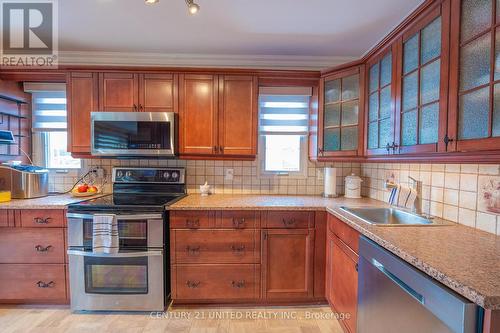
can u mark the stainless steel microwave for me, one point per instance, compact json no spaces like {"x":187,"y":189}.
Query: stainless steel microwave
{"x":133,"y":134}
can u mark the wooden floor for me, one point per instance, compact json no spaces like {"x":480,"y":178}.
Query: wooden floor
{"x":58,"y":319}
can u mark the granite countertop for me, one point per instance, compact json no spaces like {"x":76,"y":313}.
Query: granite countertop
{"x":263,"y":202}
{"x":49,"y":202}
{"x":464,"y":259}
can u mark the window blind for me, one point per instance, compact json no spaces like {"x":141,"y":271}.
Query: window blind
{"x":284,"y":111}
{"x":48,"y":106}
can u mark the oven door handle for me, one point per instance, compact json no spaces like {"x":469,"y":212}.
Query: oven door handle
{"x":118,"y":217}
{"x":116,"y":255}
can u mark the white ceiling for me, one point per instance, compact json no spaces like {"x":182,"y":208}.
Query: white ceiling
{"x":284,"y":33}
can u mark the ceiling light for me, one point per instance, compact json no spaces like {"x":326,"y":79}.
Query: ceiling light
{"x":192,"y":7}
{"x":151,"y":2}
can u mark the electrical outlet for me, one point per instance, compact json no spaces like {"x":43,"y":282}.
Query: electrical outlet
{"x":229,"y":174}
{"x":100,"y":172}
{"x":319,"y":174}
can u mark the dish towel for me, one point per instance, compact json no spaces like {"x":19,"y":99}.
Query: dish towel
{"x":105,"y":234}
{"x":403,"y":196}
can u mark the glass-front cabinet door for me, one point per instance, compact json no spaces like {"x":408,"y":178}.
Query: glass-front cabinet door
{"x":380,"y":120}
{"x":422,"y":94}
{"x":340,"y":114}
{"x":476,"y":123}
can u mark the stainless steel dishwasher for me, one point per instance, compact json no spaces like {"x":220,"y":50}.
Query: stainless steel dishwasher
{"x":394,"y":297}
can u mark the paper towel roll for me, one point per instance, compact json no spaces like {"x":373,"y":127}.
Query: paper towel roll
{"x":330,"y":186}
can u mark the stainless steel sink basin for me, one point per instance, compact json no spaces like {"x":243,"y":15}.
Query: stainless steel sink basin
{"x":389,"y":217}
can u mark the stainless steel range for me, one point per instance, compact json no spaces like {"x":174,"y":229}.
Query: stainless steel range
{"x":137,"y":277}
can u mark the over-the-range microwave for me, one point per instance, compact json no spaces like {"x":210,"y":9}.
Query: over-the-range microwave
{"x":134,"y":134}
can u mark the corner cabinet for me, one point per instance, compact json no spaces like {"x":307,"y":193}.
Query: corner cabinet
{"x":218,"y":115}
{"x":341,"y":105}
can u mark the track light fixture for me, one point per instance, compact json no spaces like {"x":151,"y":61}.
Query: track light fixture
{"x":151,"y":2}
{"x":193,"y":8}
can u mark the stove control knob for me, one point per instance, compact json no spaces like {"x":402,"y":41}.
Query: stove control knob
{"x":175,"y":175}
{"x":166,"y":175}
{"x":128,"y":174}
{"x":119,"y":174}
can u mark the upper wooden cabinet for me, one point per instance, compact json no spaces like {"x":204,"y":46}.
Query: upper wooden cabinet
{"x":82,"y":99}
{"x":341,"y":105}
{"x":475,"y":79}
{"x":217,"y":115}
{"x":133,"y":92}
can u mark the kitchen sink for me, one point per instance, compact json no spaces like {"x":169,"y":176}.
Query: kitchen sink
{"x":390,"y":217}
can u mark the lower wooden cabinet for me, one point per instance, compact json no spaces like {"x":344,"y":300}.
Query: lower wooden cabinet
{"x":342,"y":272}
{"x":288,"y":264}
{"x":41,"y":282}
{"x":33,"y":256}
{"x":247,"y":256}
{"x":224,"y":282}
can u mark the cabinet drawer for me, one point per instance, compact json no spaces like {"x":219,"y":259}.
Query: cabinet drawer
{"x":34,"y":218}
{"x":32,"y":282}
{"x":216,"y":246}
{"x":216,"y":282}
{"x":32,"y":245}
{"x":6,"y":218}
{"x":239,"y":219}
{"x":191,"y":219}
{"x":290,"y":219}
{"x":344,"y":232}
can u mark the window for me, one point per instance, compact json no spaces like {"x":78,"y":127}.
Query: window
{"x":283,"y":130}
{"x":49,"y":125}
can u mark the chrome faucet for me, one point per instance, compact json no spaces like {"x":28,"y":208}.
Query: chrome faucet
{"x":417,"y":186}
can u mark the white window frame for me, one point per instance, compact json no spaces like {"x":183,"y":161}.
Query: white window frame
{"x":291,"y":174}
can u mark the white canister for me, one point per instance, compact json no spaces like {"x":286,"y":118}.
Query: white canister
{"x":353,"y":187}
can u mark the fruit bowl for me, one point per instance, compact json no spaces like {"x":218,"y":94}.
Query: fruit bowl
{"x":84,"y":194}
{"x":83,"y":190}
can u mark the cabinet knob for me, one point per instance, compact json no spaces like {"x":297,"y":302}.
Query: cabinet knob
{"x":447,"y":140}
{"x":42,"y":284}
{"x":193,"y":224}
{"x":193,"y":250}
{"x":216,"y":149}
{"x":289,"y":222}
{"x":238,"y":284}
{"x":41,"y":220}
{"x":238,"y":223}
{"x":221,"y":149}
{"x":238,"y":249}
{"x":193,"y":284}
{"x":40,"y":248}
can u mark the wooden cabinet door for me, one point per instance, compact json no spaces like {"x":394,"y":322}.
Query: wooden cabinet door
{"x":198,"y":104}
{"x":329,"y":265}
{"x":342,"y":282}
{"x":238,"y":115}
{"x":81,"y":94}
{"x":341,"y":105}
{"x":158,"y":93}
{"x":287,"y":265}
{"x":118,"y":92}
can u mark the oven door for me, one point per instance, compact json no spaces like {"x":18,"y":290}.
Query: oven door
{"x":136,"y":231}
{"x":133,"y":133}
{"x":126,"y":281}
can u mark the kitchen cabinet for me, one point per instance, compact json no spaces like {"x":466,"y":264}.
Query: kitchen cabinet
{"x":341,"y":105}
{"x":288,"y":264}
{"x":422,"y":74}
{"x":474,"y":84}
{"x":217,"y":115}
{"x":381,"y":102}
{"x":33,"y":256}
{"x":119,"y":92}
{"x":6,"y":218}
{"x":158,"y":92}
{"x":82,"y":99}
{"x":341,"y":271}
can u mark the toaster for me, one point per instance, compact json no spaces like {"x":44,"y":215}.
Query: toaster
{"x":24,"y":181}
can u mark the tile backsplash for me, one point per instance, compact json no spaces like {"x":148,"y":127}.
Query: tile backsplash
{"x":465,"y":193}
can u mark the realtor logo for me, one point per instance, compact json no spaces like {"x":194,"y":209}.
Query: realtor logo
{"x":29,"y":33}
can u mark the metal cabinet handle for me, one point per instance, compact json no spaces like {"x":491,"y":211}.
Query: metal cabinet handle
{"x":447,"y":140}
{"x":42,"y":284}
{"x":221,"y":149}
{"x":41,"y":220}
{"x":216,"y":149}
{"x":238,"y":223}
{"x":289,"y":223}
{"x":41,"y":248}
{"x":193,"y":224}
{"x":193,"y":284}
{"x":238,"y":249}
{"x":320,"y":151}
{"x":193,"y":250}
{"x":141,"y":107}
{"x":238,"y":284}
